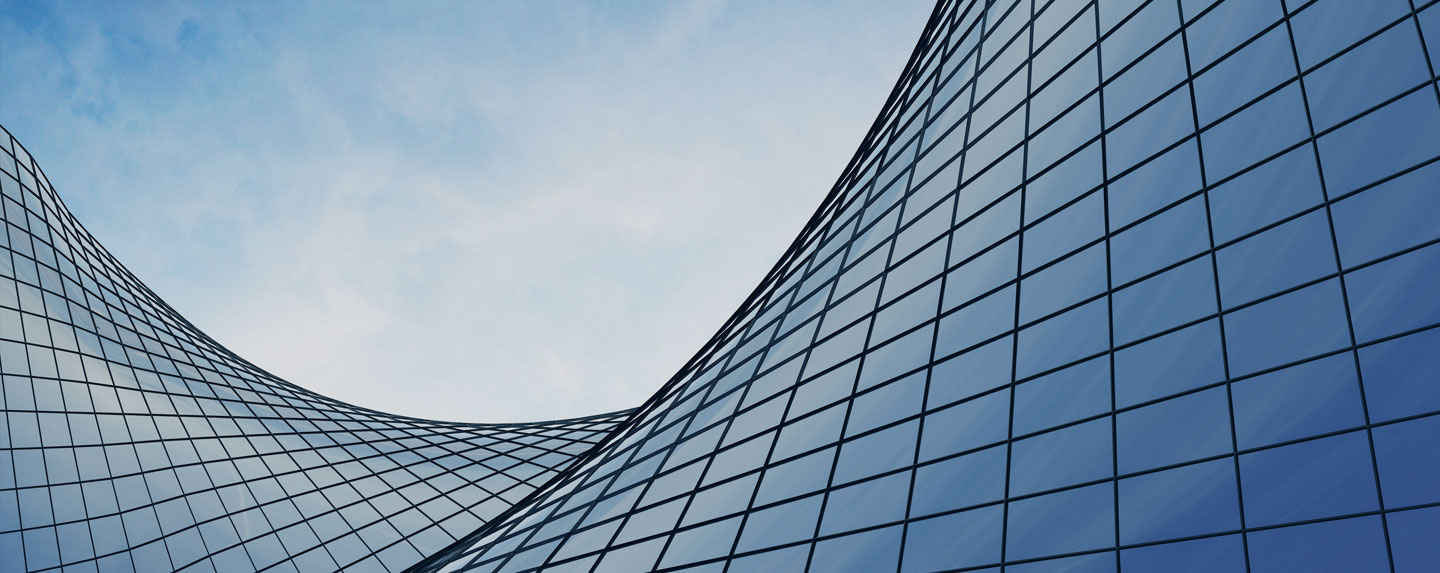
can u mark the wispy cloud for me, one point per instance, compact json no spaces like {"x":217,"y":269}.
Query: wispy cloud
{"x":469,"y":211}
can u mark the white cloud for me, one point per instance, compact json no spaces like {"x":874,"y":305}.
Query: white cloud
{"x":469,"y":211}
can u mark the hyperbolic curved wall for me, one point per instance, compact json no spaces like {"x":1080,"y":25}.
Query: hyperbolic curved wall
{"x":1111,"y":284}
{"x":1114,"y":285}
{"x":130,"y":441}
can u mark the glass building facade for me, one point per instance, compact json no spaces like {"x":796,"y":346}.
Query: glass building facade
{"x":130,"y":441}
{"x":1110,"y":285}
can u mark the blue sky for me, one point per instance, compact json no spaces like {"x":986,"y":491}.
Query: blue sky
{"x":479,"y":211}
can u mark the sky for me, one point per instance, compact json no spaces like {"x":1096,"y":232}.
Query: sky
{"x":470,"y":211}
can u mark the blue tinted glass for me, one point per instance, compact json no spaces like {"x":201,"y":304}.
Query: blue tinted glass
{"x":1150,"y":131}
{"x":1309,"y":480}
{"x":1176,"y":430}
{"x":1377,"y":70}
{"x":977,"y":322}
{"x":631,"y":558}
{"x":971,"y":373}
{"x":785,"y":523}
{"x":1211,"y":555}
{"x":801,"y":475}
{"x":1153,"y":185}
{"x":882,"y":451}
{"x":858,"y":553}
{"x":894,"y":401}
{"x":1164,"y":301}
{"x":1328,"y":26}
{"x":1390,"y":217}
{"x":1430,"y":23}
{"x":898,"y":357}
{"x":1159,"y":241}
{"x":1063,"y":457}
{"x":1076,"y":392}
{"x":1334,"y":546}
{"x":865,"y":504}
{"x":954,"y":541}
{"x":1068,"y":180}
{"x":1226,"y":26}
{"x":1063,"y":522}
{"x":1381,"y":143}
{"x":1093,"y":563}
{"x":1190,"y":500}
{"x":915,"y":308}
{"x":1297,"y":402}
{"x":1246,"y":74}
{"x":1409,"y":457}
{"x":786,"y":559}
{"x":1396,"y":295}
{"x":1265,"y":128}
{"x":1400,"y":376}
{"x":1293,"y":253}
{"x":1063,"y":284}
{"x":1268,"y":193}
{"x":1061,"y":339}
{"x":1188,"y":358}
{"x":1063,"y":232}
{"x":704,"y":542}
{"x":1133,"y":37}
{"x":1066,"y":134}
{"x":1412,"y":539}
{"x":1297,"y":325}
{"x":981,"y":274}
{"x":1151,"y":76}
{"x":966,"y":426}
{"x":982,"y":472}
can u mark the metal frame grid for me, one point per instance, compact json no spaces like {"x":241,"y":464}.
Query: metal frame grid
{"x":826,"y":425}
{"x":1109,"y":285}
{"x":129,"y":440}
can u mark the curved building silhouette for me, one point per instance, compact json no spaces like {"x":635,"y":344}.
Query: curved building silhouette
{"x":130,"y":441}
{"x":1110,"y":285}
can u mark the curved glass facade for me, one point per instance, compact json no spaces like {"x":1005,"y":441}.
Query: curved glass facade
{"x":130,"y":441}
{"x":1110,"y":285}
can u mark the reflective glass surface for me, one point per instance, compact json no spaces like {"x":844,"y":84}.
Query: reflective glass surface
{"x":1110,"y":285}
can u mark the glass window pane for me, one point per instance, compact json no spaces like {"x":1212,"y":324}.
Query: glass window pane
{"x":1185,"y":501}
{"x":1176,"y":430}
{"x":1164,"y":301}
{"x":1381,"y":143}
{"x":1412,"y":539}
{"x":1070,"y":336}
{"x":965,"y":539}
{"x":1408,"y":454}
{"x":1396,"y":295}
{"x":982,"y":472}
{"x":1297,"y":402}
{"x":1293,"y":253}
{"x":1212,"y":555}
{"x":966,"y":426}
{"x":1279,"y":188}
{"x":1265,"y":128}
{"x":1067,"y":395}
{"x":1309,"y":480}
{"x":1392,"y":216}
{"x":1064,"y":522}
{"x":1159,"y":241}
{"x":1347,"y":545}
{"x":1189,"y":358}
{"x":1063,"y":457}
{"x":859,"y":553}
{"x":874,"y":502}
{"x":1296,"y":325}
{"x":1400,"y":376}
